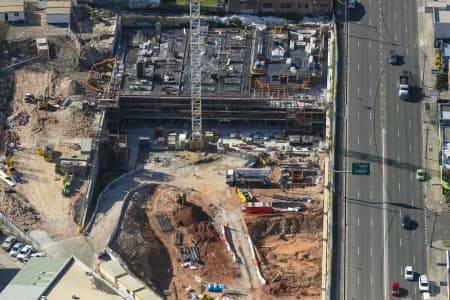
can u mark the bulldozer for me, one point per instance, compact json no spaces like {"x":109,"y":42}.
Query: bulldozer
{"x":180,"y":200}
{"x":47,"y":152}
{"x":9,"y":164}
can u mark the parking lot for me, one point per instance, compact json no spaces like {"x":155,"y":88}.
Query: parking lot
{"x":9,"y":266}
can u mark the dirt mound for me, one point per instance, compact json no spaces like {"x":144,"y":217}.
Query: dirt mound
{"x":290,"y":252}
{"x":19,"y":210}
{"x":279,"y":226}
{"x":217,"y":265}
{"x":143,"y":251}
{"x":189,"y":215}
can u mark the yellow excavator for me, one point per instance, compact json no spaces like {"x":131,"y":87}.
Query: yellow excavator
{"x":46,"y":152}
{"x":42,"y":101}
{"x":180,"y":199}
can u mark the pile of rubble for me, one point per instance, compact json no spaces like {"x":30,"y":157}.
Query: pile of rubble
{"x":19,"y":210}
{"x":18,"y":119}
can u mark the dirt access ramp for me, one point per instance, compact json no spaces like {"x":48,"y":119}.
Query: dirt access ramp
{"x":289,"y":250}
{"x":152,"y":254}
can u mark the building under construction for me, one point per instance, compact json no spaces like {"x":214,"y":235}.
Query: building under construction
{"x":257,"y":76}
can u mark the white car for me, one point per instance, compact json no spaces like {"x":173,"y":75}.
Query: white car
{"x":424,"y":285}
{"x":409,"y":273}
{"x":38,"y":254}
{"x":15,"y":249}
{"x":25,"y":253}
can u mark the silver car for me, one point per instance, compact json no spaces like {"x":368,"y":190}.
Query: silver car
{"x":16,"y":249}
{"x":9,"y":242}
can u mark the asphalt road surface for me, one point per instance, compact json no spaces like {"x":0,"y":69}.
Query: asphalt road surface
{"x":385,"y":131}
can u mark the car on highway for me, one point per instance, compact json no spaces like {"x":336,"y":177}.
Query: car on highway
{"x":393,"y":58}
{"x":9,"y":242}
{"x":406,"y":222}
{"x":395,"y":288}
{"x":16,"y":249}
{"x":421,"y":175}
{"x":409,"y":273}
{"x":24,"y":253}
{"x":424,"y":285}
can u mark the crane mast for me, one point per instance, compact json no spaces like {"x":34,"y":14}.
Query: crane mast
{"x":196,"y":72}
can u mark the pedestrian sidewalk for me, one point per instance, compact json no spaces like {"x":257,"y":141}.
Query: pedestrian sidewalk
{"x":434,"y":201}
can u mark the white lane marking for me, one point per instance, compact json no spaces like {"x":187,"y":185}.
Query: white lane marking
{"x":370,"y":115}
{"x":358,"y":88}
{"x":399,"y":185}
{"x":410,"y":176}
{"x":395,"y":16}
{"x":397,"y":107}
{"x":395,"y":37}
{"x":358,"y":140}
{"x":371,"y":222}
{"x":370,"y":195}
{"x":398,"y":133}
{"x":414,"y":260}
{"x":370,"y":141}
{"x":413,"y":232}
{"x":401,"y":271}
{"x":405,"y":6}
{"x":358,"y":115}
{"x":358,"y":249}
{"x":371,"y":280}
{"x":400,"y":214}
{"x":358,"y":67}
{"x":370,"y":24}
{"x":371,"y":251}
{"x":370,"y":69}
{"x":409,"y":123}
{"x":370,"y":89}
{"x":400,"y":242}
{"x":358,"y":221}
{"x":398,"y":158}
{"x":357,"y":191}
{"x":358,"y":279}
{"x":415,"y":290}
{"x":406,"y":51}
{"x":358,"y":43}
{"x":406,"y":27}
{"x":412,"y":202}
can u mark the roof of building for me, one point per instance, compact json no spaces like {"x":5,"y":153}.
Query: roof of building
{"x":131,"y":283}
{"x":78,"y":281}
{"x":445,"y":112}
{"x":146,"y":294}
{"x":112,"y":268}
{"x":12,"y":6}
{"x":34,"y":278}
{"x":58,"y":8}
{"x":442,"y":16}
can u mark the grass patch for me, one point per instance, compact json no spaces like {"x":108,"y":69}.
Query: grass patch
{"x":205,"y":3}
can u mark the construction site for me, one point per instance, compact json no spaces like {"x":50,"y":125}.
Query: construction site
{"x":226,"y":122}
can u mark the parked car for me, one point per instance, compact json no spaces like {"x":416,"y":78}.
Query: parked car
{"x":15,"y":249}
{"x":409,"y":273}
{"x":395,"y":288}
{"x":424,"y":285}
{"x":38,"y":254}
{"x":9,"y":242}
{"x":25,"y":253}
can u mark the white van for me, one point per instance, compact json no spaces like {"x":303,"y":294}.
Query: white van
{"x":426,"y":296}
{"x":351,"y":3}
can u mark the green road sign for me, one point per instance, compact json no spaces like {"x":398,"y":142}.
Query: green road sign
{"x":360,"y":168}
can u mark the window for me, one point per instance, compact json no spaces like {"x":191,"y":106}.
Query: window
{"x":16,"y":14}
{"x":285,"y":5}
{"x":267,"y":5}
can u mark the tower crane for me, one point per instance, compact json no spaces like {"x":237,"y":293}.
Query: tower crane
{"x":196,"y":72}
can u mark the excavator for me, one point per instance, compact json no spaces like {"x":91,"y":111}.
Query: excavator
{"x":42,"y":101}
{"x":46,"y":152}
{"x":180,"y":200}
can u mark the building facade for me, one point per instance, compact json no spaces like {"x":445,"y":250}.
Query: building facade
{"x":298,"y":7}
{"x":12,"y":11}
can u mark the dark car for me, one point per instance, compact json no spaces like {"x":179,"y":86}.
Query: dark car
{"x":406,"y":222}
{"x":393,"y":58}
{"x":395,"y":288}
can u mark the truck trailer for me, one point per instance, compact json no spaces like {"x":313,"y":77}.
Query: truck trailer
{"x":249,"y":177}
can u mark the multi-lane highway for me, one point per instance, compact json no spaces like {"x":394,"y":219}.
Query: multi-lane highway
{"x":381,"y":129}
